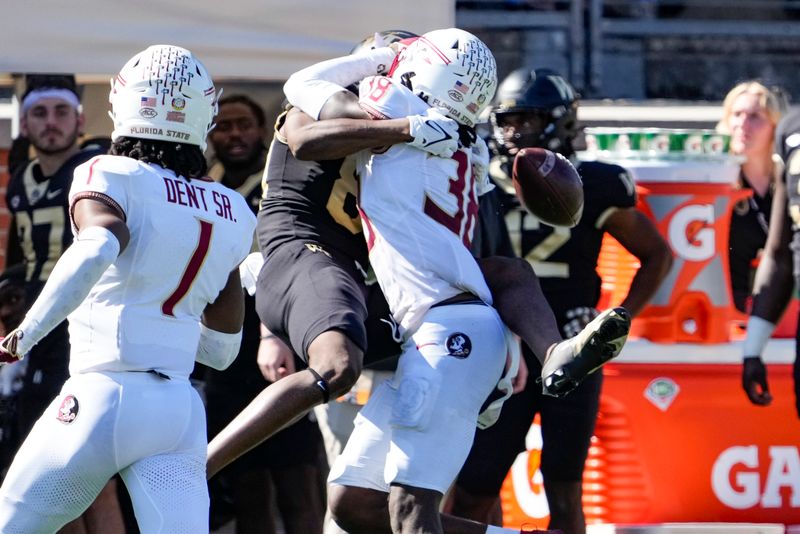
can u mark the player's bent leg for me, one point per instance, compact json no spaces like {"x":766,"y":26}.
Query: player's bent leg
{"x":337,"y":361}
{"x":358,"y":510}
{"x":568,"y":363}
{"x":447,"y":371}
{"x":169,"y":493}
{"x":414,"y":509}
{"x":63,"y":464}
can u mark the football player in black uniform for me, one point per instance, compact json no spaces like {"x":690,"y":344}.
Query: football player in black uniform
{"x":779,"y":269}
{"x":539,"y":109}
{"x":289,"y":460}
{"x":52,"y":120}
{"x":312,"y":292}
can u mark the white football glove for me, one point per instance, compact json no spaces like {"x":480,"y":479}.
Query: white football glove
{"x":8,"y":347}
{"x":434,"y":133}
{"x":248,"y":271}
{"x":480,"y":166}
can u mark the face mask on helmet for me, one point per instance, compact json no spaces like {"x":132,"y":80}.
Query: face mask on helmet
{"x":163,"y":93}
{"x":535,"y":109}
{"x":450,"y":69}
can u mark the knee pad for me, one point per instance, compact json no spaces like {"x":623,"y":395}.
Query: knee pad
{"x":415,"y":401}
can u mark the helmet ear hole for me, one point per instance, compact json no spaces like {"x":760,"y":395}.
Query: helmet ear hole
{"x":405,"y":79}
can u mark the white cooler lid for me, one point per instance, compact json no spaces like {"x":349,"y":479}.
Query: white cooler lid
{"x":722,"y":169}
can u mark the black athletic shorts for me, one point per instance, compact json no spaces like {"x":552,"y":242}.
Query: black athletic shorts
{"x":567,"y":426}
{"x":305,"y":289}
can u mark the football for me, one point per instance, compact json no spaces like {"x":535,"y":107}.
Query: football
{"x":548,"y":186}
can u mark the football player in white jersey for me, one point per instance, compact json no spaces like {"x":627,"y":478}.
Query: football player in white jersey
{"x":150,"y":284}
{"x":419,"y":213}
{"x":415,"y":432}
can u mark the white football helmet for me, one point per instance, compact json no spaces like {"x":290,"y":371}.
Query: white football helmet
{"x":163,"y":93}
{"x":450,"y":69}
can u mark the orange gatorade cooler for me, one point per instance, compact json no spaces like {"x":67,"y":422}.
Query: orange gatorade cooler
{"x":686,"y":185}
{"x":676,"y":441}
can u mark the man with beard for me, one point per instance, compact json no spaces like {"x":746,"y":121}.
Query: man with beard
{"x":290,"y":458}
{"x":52,"y":119}
{"x":239,"y":148}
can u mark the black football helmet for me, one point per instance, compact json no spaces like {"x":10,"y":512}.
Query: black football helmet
{"x":541,"y":100}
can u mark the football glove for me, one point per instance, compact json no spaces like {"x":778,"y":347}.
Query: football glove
{"x":434,"y":133}
{"x":8,"y":347}
{"x":480,"y":166}
{"x":754,"y":381}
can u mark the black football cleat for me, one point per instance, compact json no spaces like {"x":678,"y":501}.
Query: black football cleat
{"x":569,"y":362}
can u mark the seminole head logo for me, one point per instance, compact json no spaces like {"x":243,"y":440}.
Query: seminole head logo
{"x":459,"y":345}
{"x":68,"y":410}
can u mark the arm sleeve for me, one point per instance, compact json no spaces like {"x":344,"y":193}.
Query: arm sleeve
{"x":310,"y":88}
{"x":217,"y":349}
{"x":75,"y":273}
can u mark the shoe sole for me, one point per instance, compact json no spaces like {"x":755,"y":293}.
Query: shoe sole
{"x":602,"y":346}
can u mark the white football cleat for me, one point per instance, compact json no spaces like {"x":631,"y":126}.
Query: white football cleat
{"x":569,"y":362}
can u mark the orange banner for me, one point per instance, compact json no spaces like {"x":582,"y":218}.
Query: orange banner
{"x":678,"y":443}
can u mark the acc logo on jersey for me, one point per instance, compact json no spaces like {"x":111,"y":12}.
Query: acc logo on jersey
{"x":148,"y":113}
{"x":459,"y":345}
{"x":68,"y":410}
{"x":455,"y":95}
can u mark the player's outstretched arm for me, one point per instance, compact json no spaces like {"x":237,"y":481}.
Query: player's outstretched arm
{"x":774,"y":280}
{"x":102,"y":236}
{"x":640,"y":237}
{"x":518,"y":298}
{"x":772,"y":290}
{"x":346,"y":130}
{"x":339,"y":137}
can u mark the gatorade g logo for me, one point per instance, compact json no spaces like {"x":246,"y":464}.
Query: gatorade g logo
{"x":736,"y":478}
{"x":691,"y":234}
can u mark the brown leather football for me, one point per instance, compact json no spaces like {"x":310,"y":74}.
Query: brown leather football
{"x":548,"y":186}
